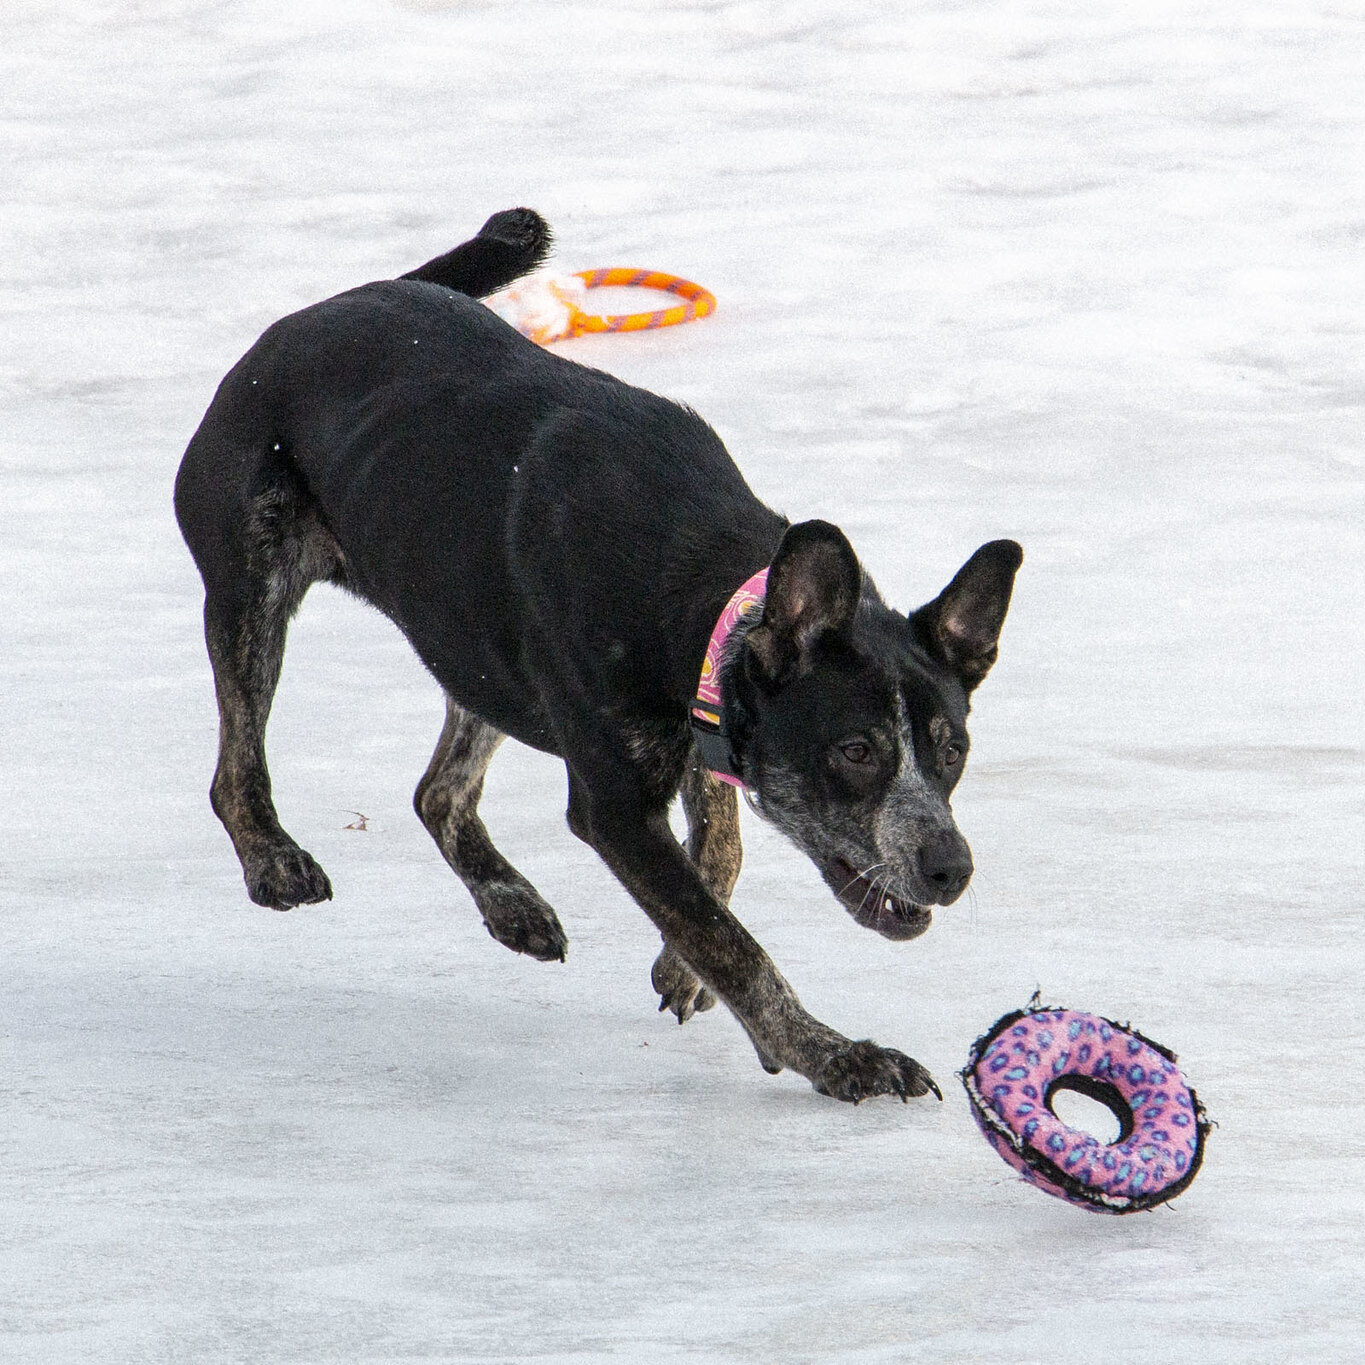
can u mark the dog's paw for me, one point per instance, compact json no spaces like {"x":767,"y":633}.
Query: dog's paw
{"x":519,"y":919}
{"x":286,"y":877}
{"x":861,"y":1070}
{"x":679,"y":990}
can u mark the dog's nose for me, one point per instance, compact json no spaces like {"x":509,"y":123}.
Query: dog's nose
{"x":946,"y":864}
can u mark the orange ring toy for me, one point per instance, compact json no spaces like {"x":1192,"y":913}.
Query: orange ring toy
{"x":699,"y":301}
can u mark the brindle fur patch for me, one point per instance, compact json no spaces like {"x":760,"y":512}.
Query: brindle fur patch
{"x":286,"y":549}
{"x":713,"y":843}
{"x":447,"y":802}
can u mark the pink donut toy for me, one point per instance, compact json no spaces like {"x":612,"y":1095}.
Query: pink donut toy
{"x":1015,"y":1069}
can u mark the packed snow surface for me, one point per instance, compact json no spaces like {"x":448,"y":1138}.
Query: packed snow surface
{"x":1089,"y":276}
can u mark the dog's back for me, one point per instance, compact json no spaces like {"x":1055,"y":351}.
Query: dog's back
{"x":402,"y":394}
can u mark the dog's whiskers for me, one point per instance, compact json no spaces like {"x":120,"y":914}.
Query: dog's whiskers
{"x":973,"y":905}
{"x":881,"y":892}
{"x":860,"y":876}
{"x":875,"y":890}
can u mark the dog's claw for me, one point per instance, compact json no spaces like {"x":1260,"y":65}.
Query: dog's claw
{"x":679,"y":990}
{"x":863,"y":1070}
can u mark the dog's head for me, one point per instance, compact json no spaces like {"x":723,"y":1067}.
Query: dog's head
{"x":850,"y":721}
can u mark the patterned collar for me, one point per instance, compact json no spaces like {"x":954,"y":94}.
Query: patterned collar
{"x":706,"y":712}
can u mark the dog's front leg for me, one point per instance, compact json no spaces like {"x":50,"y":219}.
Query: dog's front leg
{"x":632,"y":836}
{"x":713,"y":844}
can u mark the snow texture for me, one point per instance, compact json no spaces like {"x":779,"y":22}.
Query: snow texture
{"x":1087,"y":275}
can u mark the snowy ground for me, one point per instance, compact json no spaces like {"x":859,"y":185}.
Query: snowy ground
{"x":1088,"y":276}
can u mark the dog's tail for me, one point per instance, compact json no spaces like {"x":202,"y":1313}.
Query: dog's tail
{"x":509,"y":245}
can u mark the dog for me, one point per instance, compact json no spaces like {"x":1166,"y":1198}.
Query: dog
{"x":558,"y":546}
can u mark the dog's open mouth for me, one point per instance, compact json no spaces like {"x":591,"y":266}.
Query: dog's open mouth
{"x":872,"y":906}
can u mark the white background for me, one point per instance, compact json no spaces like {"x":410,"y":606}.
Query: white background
{"x":1085,"y":275}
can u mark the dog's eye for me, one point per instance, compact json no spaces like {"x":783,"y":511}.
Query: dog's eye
{"x":857,"y":751}
{"x":952,"y":755}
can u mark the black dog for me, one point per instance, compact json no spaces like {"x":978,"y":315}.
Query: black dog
{"x":557,"y":546}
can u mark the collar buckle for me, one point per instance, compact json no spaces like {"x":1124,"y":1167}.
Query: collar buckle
{"x":713,"y":744}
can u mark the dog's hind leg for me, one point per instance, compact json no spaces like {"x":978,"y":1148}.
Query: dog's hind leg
{"x":713,"y":843}
{"x":447,"y":801}
{"x":259,"y":550}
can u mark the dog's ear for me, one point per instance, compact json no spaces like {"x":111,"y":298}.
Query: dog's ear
{"x":961,"y":626}
{"x":813,"y":589}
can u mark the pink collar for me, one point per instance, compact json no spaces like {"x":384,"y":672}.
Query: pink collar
{"x":706,"y":714}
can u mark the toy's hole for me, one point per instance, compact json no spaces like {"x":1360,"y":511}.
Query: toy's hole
{"x":1091,"y":1106}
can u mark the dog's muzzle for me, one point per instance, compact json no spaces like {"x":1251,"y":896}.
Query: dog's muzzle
{"x":873,"y":906}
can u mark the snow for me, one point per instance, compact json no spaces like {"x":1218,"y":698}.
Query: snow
{"x":1088,"y":276}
